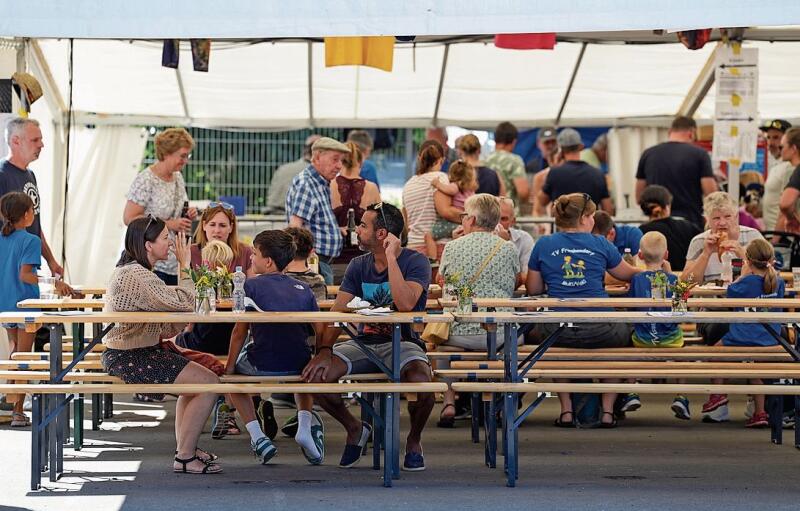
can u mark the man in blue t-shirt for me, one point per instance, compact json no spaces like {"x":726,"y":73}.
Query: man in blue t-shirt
{"x":622,"y":236}
{"x":276,"y":348}
{"x":387,"y":275}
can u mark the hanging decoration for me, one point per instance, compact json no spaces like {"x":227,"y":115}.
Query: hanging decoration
{"x":544,"y":41}
{"x":201,"y":53}
{"x":372,"y":51}
{"x":694,"y":39}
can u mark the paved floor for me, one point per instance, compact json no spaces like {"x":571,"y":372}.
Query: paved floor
{"x":652,"y":462}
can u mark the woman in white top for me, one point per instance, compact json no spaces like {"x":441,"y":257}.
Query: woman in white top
{"x":159,"y":190}
{"x":422,"y":202}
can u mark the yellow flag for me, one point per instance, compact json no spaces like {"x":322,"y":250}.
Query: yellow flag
{"x":373,"y":51}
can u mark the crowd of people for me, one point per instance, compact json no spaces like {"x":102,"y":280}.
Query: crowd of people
{"x":458,"y":212}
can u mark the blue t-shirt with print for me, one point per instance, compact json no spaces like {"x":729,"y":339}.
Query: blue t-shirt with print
{"x":18,"y":248}
{"x":279,"y":347}
{"x":573,"y":264}
{"x":362,"y":279}
{"x":628,"y":236}
{"x":752,"y":334}
{"x":641,"y":288}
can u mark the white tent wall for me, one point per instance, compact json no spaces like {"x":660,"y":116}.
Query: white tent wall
{"x":106,"y":160}
{"x":625,"y":146}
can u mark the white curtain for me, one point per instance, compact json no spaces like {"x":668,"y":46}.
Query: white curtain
{"x":625,"y":146}
{"x":110,"y":157}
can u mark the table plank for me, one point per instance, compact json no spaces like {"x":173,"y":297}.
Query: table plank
{"x":627,"y":302}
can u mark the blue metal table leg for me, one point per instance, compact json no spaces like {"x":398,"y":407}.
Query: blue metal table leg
{"x":36,"y":442}
{"x":491,"y":433}
{"x":395,"y":439}
{"x":388,"y":435}
{"x":509,"y":419}
{"x":475,"y":419}
{"x":377,"y":433}
{"x":55,"y":427}
{"x":77,"y":425}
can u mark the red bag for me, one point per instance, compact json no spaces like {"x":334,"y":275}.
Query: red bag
{"x":206,"y":360}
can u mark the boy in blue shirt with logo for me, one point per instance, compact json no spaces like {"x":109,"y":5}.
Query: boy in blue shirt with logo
{"x":653,"y":252}
{"x":276,"y":348}
{"x":759,"y":280}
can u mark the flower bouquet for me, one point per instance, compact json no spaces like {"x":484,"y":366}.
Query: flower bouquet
{"x":462,"y":290}
{"x":680,"y":294}
{"x":210,"y":284}
{"x":659,"y":282}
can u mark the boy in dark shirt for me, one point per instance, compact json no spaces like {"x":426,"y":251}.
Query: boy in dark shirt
{"x":276,"y":348}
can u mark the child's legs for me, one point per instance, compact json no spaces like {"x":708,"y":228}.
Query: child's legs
{"x":305,"y":402}
{"x":758,"y":399}
{"x":18,"y":340}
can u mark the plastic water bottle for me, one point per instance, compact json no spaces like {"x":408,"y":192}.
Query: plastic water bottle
{"x":238,"y":290}
{"x":727,"y":268}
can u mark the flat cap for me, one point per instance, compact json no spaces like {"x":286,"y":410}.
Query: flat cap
{"x":546,"y":134}
{"x":329,"y":144}
{"x":777,"y":124}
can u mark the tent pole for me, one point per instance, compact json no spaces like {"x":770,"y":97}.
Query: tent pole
{"x":310,"y":86}
{"x":435,"y":120}
{"x":182,"y":93}
{"x":571,"y":82}
{"x":699,"y":89}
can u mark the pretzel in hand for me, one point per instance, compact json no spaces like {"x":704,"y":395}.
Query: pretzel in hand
{"x":722,"y":236}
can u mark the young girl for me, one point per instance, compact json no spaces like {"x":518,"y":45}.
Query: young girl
{"x":462,"y":186}
{"x":20,"y":257}
{"x":759,"y":280}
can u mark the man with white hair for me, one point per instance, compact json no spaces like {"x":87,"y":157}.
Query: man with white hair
{"x":523,"y":241}
{"x":282,"y":177}
{"x":308,"y":202}
{"x":24,"y":140}
{"x":597,"y":155}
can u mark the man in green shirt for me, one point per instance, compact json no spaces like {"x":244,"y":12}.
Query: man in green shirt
{"x":509,"y":166}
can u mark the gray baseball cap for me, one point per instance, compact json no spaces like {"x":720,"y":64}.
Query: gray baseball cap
{"x":546,"y":133}
{"x":569,"y":137}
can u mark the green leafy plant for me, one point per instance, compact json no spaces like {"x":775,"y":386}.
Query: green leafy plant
{"x":205,"y":278}
{"x":682,"y":289}
{"x":659,"y":280}
{"x":457,"y":286}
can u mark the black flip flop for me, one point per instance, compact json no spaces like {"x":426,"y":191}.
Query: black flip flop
{"x":561,"y":424}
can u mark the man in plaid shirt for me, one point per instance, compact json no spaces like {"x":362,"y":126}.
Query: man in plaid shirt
{"x":308,"y":203}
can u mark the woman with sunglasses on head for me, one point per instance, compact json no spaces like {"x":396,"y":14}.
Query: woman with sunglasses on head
{"x":134,"y":353}
{"x":218,"y":222}
{"x":572,"y":263}
{"x":159,"y":190}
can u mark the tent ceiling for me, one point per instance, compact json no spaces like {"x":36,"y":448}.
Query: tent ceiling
{"x":273,"y":85}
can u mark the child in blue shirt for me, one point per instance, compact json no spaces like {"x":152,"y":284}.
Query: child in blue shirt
{"x":276,"y":348}
{"x":759,"y":280}
{"x":20,"y":257}
{"x":653,"y":252}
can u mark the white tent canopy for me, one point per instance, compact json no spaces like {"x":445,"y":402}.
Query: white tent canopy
{"x":286,"y":85}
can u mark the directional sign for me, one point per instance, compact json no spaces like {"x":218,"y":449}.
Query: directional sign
{"x":736,"y":106}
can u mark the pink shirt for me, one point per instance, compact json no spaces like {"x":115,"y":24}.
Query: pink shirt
{"x":460,"y":198}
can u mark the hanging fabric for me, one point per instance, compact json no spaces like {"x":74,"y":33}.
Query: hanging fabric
{"x":546,"y":41}
{"x":373,"y":51}
{"x":201,"y":53}
{"x":694,"y":39}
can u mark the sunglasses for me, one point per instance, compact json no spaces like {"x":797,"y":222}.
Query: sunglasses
{"x":223,"y":205}
{"x":150,"y":220}
{"x":586,"y":200}
{"x":379,"y":205}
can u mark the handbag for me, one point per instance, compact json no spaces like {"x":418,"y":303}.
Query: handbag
{"x":438,"y":333}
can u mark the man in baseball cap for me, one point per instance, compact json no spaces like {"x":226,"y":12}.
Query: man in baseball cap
{"x":773,"y":131}
{"x":546,"y":142}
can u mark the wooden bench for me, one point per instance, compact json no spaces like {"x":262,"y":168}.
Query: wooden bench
{"x":509,"y":393}
{"x":44,"y":414}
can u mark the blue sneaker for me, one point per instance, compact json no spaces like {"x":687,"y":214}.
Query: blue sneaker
{"x":352,"y":452}
{"x":264,"y":449}
{"x":630,"y":403}
{"x":680,"y":407}
{"x":414,"y":462}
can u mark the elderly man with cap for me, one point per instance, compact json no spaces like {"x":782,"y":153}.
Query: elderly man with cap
{"x":597,"y":155}
{"x":548,"y":147}
{"x":308,"y":202}
{"x":778,"y":174}
{"x":575,"y":175}
{"x":282,"y":178}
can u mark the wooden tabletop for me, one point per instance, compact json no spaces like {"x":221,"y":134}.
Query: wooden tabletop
{"x":629,"y":317}
{"x":62,"y":303}
{"x":89,"y":290}
{"x":430,"y":304}
{"x":632,"y":303}
{"x":40,"y":317}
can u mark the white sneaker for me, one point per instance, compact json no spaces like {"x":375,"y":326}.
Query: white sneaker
{"x":750,"y":409}
{"x":721,"y":414}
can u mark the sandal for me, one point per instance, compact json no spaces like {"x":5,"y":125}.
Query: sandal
{"x":20,"y":420}
{"x":208,"y":468}
{"x":560,"y":423}
{"x":608,"y":425}
{"x":446,"y":422}
{"x":204,"y":456}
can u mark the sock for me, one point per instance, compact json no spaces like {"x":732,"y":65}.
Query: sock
{"x":303,"y":436}
{"x":254,"y":428}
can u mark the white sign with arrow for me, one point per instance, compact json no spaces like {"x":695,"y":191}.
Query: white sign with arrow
{"x":736,"y":108}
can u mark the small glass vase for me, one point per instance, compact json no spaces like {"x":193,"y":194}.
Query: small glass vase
{"x":657,"y":292}
{"x":679,"y":305}
{"x":464,"y":305}
{"x":224,"y":291}
{"x":205,"y":301}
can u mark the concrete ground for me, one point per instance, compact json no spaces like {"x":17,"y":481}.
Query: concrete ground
{"x":652,"y":461}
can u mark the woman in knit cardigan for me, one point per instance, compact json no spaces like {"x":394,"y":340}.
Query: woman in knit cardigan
{"x":133,"y":352}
